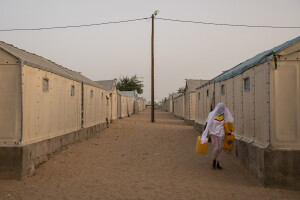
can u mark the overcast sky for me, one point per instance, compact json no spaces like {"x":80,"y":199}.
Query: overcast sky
{"x":182,"y":50}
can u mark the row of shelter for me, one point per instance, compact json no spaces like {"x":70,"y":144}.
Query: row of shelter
{"x":263,"y":94}
{"x":44,"y":106}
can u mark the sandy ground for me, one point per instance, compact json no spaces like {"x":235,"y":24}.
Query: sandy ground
{"x":136,"y":159}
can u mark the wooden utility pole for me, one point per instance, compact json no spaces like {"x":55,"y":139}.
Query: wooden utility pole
{"x":152,"y":70}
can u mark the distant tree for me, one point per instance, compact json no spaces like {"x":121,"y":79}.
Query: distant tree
{"x":181,"y":90}
{"x":130,"y":84}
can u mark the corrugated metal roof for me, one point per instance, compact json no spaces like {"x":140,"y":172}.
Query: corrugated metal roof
{"x":123,"y":94}
{"x":39,"y":62}
{"x":175,"y":95}
{"x":260,"y":58}
{"x":130,"y":93}
{"x":192,"y":84}
{"x":84,"y":79}
{"x":107,"y":84}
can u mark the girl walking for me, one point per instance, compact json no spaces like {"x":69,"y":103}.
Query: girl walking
{"x":215,"y":127}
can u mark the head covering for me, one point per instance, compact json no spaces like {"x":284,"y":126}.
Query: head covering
{"x":219,"y":109}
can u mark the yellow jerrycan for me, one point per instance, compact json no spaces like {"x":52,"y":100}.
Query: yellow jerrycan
{"x":228,"y":127}
{"x":229,"y":138}
{"x":228,"y":142}
{"x":201,"y":148}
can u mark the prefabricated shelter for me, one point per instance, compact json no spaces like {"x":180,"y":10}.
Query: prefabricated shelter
{"x":44,"y":106}
{"x":133,"y":102}
{"x":179,"y":105}
{"x":190,"y":99}
{"x":142,"y":104}
{"x":170,"y":103}
{"x":164,"y":104}
{"x":167,"y":104}
{"x":263,"y":94}
{"x":124,"y":102}
{"x":112,"y":104}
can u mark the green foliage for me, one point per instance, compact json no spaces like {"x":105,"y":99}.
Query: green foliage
{"x":181,"y":90}
{"x":130,"y":84}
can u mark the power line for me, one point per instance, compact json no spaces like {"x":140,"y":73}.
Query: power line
{"x":235,"y":25}
{"x":165,"y":19}
{"x":73,"y":26}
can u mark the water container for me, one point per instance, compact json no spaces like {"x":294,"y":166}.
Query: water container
{"x":201,"y":148}
{"x":228,"y":142}
{"x":228,"y":127}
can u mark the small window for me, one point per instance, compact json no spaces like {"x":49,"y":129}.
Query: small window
{"x":72,"y":90}
{"x":198,"y":96}
{"x":207,"y":92}
{"x":247,"y":84}
{"x":92,"y":94}
{"x":223,"y":89}
{"x":45,"y":85}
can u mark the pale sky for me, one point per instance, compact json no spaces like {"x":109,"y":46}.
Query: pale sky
{"x":182,"y":50}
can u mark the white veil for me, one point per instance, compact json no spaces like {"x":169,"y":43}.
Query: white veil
{"x":219,"y":109}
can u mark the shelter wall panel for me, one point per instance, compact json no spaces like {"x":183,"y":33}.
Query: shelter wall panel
{"x":290,"y":49}
{"x":124,"y":106}
{"x":182,"y":110}
{"x":203,"y":105}
{"x":52,"y":105}
{"x":262,"y":105}
{"x":218,"y":93}
{"x":187,"y":106}
{"x":72,"y":107}
{"x":30,"y":104}
{"x":94,"y":105}
{"x":108,"y":107}
{"x":119,"y":101}
{"x":210,"y":102}
{"x":192,"y":106}
{"x":206,"y":102}
{"x":175,"y":106}
{"x":285,"y":105}
{"x":114,"y":106}
{"x":131,"y":105}
{"x":229,"y":94}
{"x":10,"y":103}
{"x":50,"y":110}
{"x":51,"y":113}
{"x":181,"y":106}
{"x":238,"y":106}
{"x":248,"y":107}
{"x":197,"y":111}
{"x":223,"y":96}
{"x":8,"y":59}
{"x":171,"y":105}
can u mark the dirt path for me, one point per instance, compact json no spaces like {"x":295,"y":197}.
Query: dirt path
{"x":135,"y":159}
